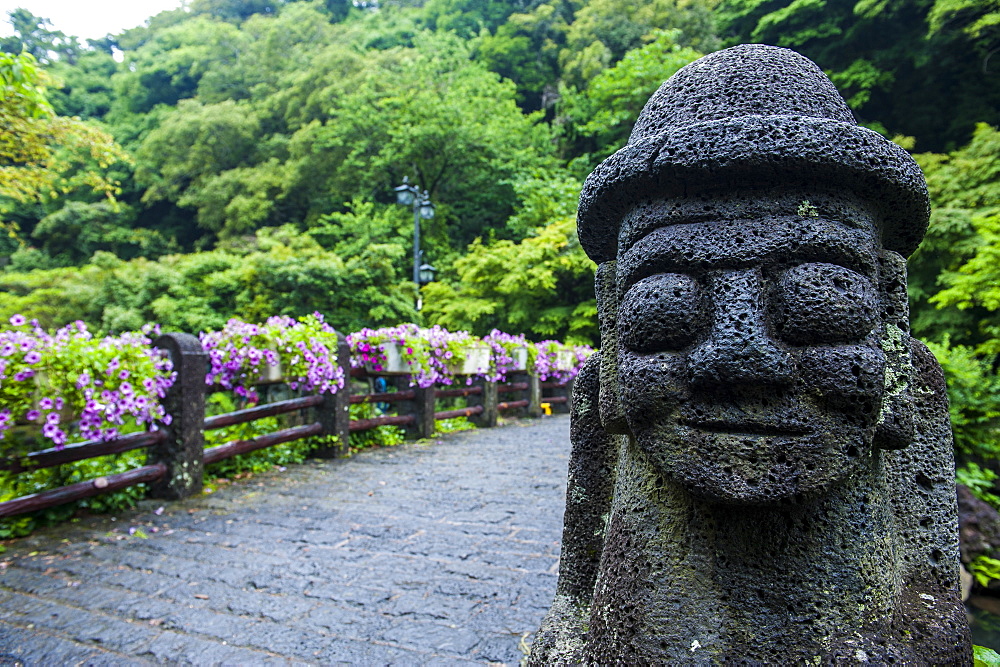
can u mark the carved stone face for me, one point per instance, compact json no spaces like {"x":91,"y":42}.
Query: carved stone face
{"x":752,"y":342}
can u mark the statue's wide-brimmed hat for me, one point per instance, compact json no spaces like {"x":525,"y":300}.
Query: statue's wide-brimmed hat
{"x":748,"y":116}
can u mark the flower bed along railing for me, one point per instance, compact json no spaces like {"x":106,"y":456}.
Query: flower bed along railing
{"x":99,"y":385}
{"x":128,"y":392}
{"x":436,"y":356}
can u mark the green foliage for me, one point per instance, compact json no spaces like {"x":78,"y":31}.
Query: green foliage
{"x":277,"y":272}
{"x":433,"y":115}
{"x":259,"y":461}
{"x":985,"y":569}
{"x":975,"y":283}
{"x":456,"y":425}
{"x":604,"y":113}
{"x":44,"y":157}
{"x":918,"y":68}
{"x":467,"y":18}
{"x":966,"y":186}
{"x":259,"y":149}
{"x":978,"y":20}
{"x":860,"y":79}
{"x":21,"y":484}
{"x":23,"y":86}
{"x":86,"y":89}
{"x":980,"y":481}
{"x":544,"y":196}
{"x":542,"y":285}
{"x":955,"y":303}
{"x":73,"y":233}
{"x":235,"y":10}
{"x":974,"y":398}
{"x":268,"y":135}
{"x":525,"y":49}
{"x":169,"y":65}
{"x":380,"y":436}
{"x":605,"y":30}
{"x":187,"y":158}
{"x":985,"y":657}
{"x":34,"y":35}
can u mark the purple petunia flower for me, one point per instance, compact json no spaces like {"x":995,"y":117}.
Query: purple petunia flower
{"x":17,"y":320}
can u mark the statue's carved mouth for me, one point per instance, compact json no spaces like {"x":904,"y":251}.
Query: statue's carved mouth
{"x":776,"y":427}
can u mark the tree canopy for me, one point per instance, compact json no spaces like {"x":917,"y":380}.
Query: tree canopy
{"x":46,"y":159}
{"x":238,"y":157}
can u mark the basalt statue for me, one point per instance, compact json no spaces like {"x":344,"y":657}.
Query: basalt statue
{"x":762,"y":464}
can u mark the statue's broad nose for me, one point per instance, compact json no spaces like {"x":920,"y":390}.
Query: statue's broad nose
{"x":739,"y":349}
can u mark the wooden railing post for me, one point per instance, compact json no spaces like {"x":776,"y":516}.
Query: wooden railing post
{"x":488,"y":399}
{"x":422,"y":407}
{"x":534,"y":396}
{"x":335,"y":411}
{"x":182,"y":451}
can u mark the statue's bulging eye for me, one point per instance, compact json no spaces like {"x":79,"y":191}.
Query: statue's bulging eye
{"x":824,"y":303}
{"x":661,"y":312}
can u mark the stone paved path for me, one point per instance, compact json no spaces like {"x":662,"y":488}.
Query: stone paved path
{"x":443,"y":553}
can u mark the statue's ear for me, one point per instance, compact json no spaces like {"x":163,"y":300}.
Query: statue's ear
{"x":895,"y":427}
{"x":606,"y":287}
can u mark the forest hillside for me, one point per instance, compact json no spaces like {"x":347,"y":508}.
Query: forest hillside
{"x":238,"y":158}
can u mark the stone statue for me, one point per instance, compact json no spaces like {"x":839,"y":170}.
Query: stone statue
{"x":762,"y":467}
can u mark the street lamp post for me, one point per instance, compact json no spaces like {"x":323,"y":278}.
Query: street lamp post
{"x":410,"y":195}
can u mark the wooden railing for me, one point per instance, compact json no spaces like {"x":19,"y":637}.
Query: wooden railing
{"x":176,"y":453}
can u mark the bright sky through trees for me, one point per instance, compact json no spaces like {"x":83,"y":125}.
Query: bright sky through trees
{"x":89,"y":19}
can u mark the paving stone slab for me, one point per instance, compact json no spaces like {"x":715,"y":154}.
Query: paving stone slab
{"x":434,"y":553}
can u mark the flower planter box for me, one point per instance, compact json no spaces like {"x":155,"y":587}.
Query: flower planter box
{"x":271,"y":373}
{"x":565,"y":360}
{"x":477,"y":360}
{"x":520,"y":357}
{"x":394,"y":364}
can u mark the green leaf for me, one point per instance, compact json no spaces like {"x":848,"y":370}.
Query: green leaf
{"x":985,"y":657}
